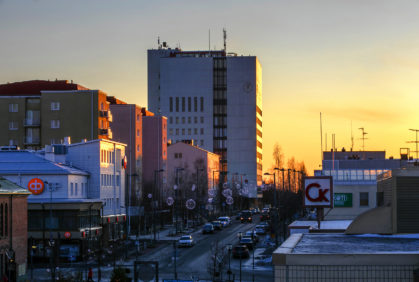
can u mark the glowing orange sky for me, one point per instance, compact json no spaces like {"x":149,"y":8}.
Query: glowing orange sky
{"x":351,"y":60}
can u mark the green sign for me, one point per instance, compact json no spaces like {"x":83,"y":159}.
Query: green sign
{"x":341,"y":200}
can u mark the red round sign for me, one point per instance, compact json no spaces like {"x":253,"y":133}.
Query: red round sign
{"x":36,"y":186}
{"x":124,"y":162}
{"x":67,"y":235}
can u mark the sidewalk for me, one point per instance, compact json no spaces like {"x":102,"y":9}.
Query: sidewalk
{"x":167,"y":234}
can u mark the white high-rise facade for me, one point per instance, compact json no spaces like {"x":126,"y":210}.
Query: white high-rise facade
{"x":214,"y":99}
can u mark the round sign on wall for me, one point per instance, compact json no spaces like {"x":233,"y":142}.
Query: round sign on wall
{"x":67,"y":235}
{"x":36,"y":186}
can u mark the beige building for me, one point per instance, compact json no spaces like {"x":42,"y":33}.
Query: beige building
{"x":37,"y":113}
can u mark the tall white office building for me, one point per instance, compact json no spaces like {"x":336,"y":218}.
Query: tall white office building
{"x":212,"y":98}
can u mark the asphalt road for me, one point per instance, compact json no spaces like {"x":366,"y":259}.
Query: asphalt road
{"x":193,"y":262}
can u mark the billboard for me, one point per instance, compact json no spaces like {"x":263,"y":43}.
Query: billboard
{"x":342,"y":200}
{"x":318,"y":191}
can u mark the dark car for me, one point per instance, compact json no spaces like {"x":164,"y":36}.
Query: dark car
{"x":264,"y":216}
{"x":248,"y":242}
{"x":238,"y":215}
{"x":208,"y":228}
{"x":241,"y":251}
{"x":246,"y":216}
{"x":217,"y":225}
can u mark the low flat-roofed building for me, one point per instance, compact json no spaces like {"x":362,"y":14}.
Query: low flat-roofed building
{"x":339,"y":257}
{"x":328,"y":226}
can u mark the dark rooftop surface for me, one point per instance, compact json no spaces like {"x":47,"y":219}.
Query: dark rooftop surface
{"x":357,"y":244}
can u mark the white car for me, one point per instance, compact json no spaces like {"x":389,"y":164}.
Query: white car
{"x":186,"y":241}
{"x":225,"y":220}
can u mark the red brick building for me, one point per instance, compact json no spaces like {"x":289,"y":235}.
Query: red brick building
{"x":13,"y":230}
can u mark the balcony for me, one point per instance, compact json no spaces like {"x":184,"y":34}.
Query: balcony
{"x":28,"y":122}
{"x":106,"y":131}
{"x":31,"y":140}
{"x":106,"y":114}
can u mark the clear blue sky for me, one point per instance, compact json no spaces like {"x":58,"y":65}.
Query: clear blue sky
{"x":352,"y":60}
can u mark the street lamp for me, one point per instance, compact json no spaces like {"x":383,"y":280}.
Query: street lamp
{"x":156,"y":191}
{"x":197,"y":190}
{"x":214,"y":188}
{"x":229,"y":248}
{"x":176,"y":192}
{"x":275,"y":205}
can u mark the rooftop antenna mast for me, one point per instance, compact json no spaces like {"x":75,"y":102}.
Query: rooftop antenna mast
{"x":352,"y":138}
{"x":209,"y":42}
{"x":158,"y":42}
{"x":416,"y":142}
{"x":225,"y":40}
{"x":363,"y":138}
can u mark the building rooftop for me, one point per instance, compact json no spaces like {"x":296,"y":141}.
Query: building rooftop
{"x":25,"y":162}
{"x":8,"y":187}
{"x":324,"y":225}
{"x":356,"y":244}
{"x":34,"y":87}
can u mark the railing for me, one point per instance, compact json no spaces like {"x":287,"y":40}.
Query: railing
{"x":305,"y":273}
{"x":31,"y":122}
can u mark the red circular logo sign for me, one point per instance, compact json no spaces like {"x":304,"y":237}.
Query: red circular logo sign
{"x":67,"y":235}
{"x":36,"y":186}
{"x":124,"y":162}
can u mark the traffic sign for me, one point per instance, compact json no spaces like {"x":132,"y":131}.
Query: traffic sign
{"x":67,"y":235}
{"x":36,"y":186}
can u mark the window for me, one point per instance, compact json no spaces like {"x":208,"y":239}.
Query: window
{"x":13,"y":125}
{"x":189,"y":131}
{"x":202,"y":142}
{"x":177,"y":104}
{"x":6,"y":220}
{"x":13,"y":108}
{"x":183,"y":120}
{"x":138,"y":133}
{"x":202,"y":104}
{"x":55,"y":123}
{"x":183,"y":104}
{"x":138,"y":117}
{"x":202,"y":131}
{"x":180,"y":155}
{"x":195,"y":102}
{"x":176,"y":155}
{"x":189,"y":104}
{"x":183,"y":131}
{"x":189,"y":119}
{"x":170,"y":120}
{"x":195,"y":131}
{"x":12,"y":142}
{"x":170,"y":131}
{"x":171,"y":104}
{"x":71,"y":189}
{"x":76,"y":192}
{"x":363,"y":199}
{"x":55,"y":106}
{"x":177,"y":131}
{"x":202,"y":119}
{"x":138,"y":148}
{"x":177,"y":120}
{"x":195,"y":119}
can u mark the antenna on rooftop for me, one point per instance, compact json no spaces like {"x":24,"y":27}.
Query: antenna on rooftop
{"x":352,"y":138}
{"x":225,"y":39}
{"x":363,"y":138}
{"x":209,"y":41}
{"x":416,"y":142}
{"x":158,"y":42}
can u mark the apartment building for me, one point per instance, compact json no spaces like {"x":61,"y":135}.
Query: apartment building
{"x":215,"y":99}
{"x":38,"y":113}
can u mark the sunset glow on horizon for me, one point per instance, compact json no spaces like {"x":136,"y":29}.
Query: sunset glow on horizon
{"x":356,"y":62}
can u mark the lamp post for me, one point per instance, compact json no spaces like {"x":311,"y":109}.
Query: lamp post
{"x":197,"y":190}
{"x":156,"y":192}
{"x":229,"y":248}
{"x":176,"y":192}
{"x":51,"y":241}
{"x":214,"y":187}
{"x":275,"y":227}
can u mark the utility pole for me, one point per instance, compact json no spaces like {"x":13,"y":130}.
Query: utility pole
{"x":176,"y":193}
{"x":416,"y":142}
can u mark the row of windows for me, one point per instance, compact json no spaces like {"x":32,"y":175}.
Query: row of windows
{"x":354,"y":174}
{"x":195,"y":141}
{"x":184,"y":119}
{"x":106,"y":156}
{"x":111,"y":203}
{"x":183,"y":131}
{"x":183,"y":104}
{"x":4,"y":220}
{"x":14,"y":125}
{"x":108,"y":180}
{"x":14,"y":108}
{"x":74,"y":189}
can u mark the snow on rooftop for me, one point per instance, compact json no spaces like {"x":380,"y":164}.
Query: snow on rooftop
{"x":327,"y":224}
{"x":357,"y":244}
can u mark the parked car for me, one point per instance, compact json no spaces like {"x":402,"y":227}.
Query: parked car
{"x":238,"y":215}
{"x":186,"y":241}
{"x":253,"y":235}
{"x":217,"y":224}
{"x":260,"y":230}
{"x":248,"y":241}
{"x":225,"y":220}
{"x":246,"y":216}
{"x":264,"y":225}
{"x":208,"y":228}
{"x":241,"y":251}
